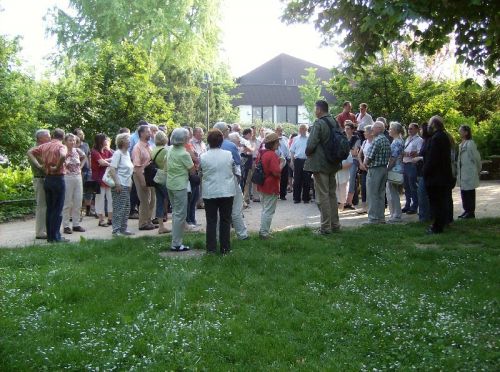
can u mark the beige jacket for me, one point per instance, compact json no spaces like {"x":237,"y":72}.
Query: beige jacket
{"x":468,"y":166}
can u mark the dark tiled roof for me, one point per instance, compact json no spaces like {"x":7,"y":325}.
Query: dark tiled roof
{"x":283,"y":70}
{"x":276,"y":83}
{"x":270,"y":95}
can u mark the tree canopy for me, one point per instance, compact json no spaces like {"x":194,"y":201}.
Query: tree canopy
{"x":369,"y":26}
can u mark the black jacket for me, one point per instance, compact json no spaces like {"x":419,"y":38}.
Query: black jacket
{"x":437,"y":161}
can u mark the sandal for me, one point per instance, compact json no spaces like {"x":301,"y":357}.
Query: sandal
{"x":103,"y":224}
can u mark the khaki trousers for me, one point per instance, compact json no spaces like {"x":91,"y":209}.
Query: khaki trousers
{"x":268,"y":202}
{"x":147,"y":197}
{"x":375,"y":193}
{"x":326,"y":198}
{"x":41,"y":207}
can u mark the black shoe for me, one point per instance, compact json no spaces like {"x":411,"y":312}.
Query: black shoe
{"x":283,"y":198}
{"x":306,"y":201}
{"x":411,"y":211}
{"x":404,"y":210}
{"x":78,"y":229}
{"x":350,"y":207}
{"x":67,"y":230}
{"x":147,"y":227}
{"x":155,"y":221}
{"x":431,"y":231}
{"x":296,"y":202}
{"x":61,"y":240}
{"x":469,"y":216}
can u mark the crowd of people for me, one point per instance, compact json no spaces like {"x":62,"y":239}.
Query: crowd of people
{"x":151,"y":173}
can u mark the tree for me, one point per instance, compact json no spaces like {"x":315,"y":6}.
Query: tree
{"x":18,"y":121}
{"x":368,"y":27}
{"x":169,"y":31}
{"x":310,"y":91}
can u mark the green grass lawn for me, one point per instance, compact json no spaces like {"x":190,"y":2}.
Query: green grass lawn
{"x":374,"y":298}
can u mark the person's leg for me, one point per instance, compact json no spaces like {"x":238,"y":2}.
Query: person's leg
{"x":382,"y":180}
{"x":211,"y":207}
{"x":68,"y":201}
{"x":449,"y":206}
{"x":151,"y":203}
{"x":298,"y":170}
{"x":268,"y":202}
{"x":41,"y":208}
{"x":412,"y":181}
{"x":49,"y":215}
{"x":472,"y":202}
{"x":423,"y":201}
{"x":332,"y":201}
{"x":195,"y":196}
{"x":284,"y":181}
{"x":126,"y":208}
{"x":109,"y":199}
{"x":143,"y":203}
{"x":247,"y":192}
{"x":406,"y":185}
{"x":99,"y":204}
{"x":178,"y":198}
{"x":60,"y":190}
{"x":237,"y":214}
{"x":134,"y":198}
{"x":353,"y":171}
{"x":77,"y":200}
{"x":438,"y":202}
{"x":371,"y":195}
{"x":389,"y":199}
{"x":118,"y":216}
{"x":306,"y":186}
{"x":225,"y":208}
{"x":394,"y":201}
{"x":322,"y":185}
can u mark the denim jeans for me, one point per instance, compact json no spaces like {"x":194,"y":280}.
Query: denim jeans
{"x":424,"y":212}
{"x":161,"y":200}
{"x":193,"y":198}
{"x":410,"y":184}
{"x":55,"y":189}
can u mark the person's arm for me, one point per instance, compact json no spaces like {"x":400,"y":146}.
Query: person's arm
{"x":60,"y":162}
{"x":275,"y":167}
{"x":32,"y":156}
{"x":314,"y":139}
{"x":476,"y":156}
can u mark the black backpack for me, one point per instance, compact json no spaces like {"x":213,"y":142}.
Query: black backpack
{"x":258,"y":176}
{"x":150,"y":171}
{"x":337,"y":147}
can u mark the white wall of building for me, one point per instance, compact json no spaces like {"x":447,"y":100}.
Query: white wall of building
{"x":246,"y":114}
{"x":302,"y":115}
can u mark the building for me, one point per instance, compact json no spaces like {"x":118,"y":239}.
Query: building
{"x":270,"y":92}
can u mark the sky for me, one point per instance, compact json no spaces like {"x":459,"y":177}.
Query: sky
{"x":251,"y":34}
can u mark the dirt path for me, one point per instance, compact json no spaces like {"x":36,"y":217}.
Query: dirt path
{"x":288,"y":215}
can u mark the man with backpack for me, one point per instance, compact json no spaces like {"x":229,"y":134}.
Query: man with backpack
{"x":324,"y":167}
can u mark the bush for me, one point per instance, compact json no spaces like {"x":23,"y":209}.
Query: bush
{"x":16,"y":184}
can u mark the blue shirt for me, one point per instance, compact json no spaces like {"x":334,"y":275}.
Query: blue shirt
{"x":283,"y":148}
{"x":231,"y":147}
{"x":299,"y":147}
{"x":134,"y":138}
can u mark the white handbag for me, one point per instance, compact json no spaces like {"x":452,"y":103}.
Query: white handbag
{"x":107,"y":179}
{"x":395,"y":177}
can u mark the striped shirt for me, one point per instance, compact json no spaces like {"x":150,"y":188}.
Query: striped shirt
{"x":50,"y":153}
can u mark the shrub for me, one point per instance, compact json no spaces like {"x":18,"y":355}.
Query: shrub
{"x":16,"y":184}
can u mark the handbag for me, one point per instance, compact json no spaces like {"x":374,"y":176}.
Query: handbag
{"x":395,"y":177}
{"x":194,"y":180}
{"x":107,"y":179}
{"x":258,"y":176}
{"x":151,"y":169}
{"x":160,"y":177}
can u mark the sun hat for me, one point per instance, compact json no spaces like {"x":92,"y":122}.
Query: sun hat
{"x":271,"y":137}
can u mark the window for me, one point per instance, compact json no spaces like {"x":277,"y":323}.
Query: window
{"x":256,"y":113}
{"x":281,"y":114}
{"x":291,"y":114}
{"x":267,"y":113}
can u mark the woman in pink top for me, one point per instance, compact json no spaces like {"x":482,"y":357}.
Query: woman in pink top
{"x":100,"y":159}
{"x":74,"y":185}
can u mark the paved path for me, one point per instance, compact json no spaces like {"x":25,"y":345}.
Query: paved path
{"x":288,"y":215}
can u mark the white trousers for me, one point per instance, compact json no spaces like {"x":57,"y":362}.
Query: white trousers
{"x":237,"y":213}
{"x":41,"y":207}
{"x":99,"y":200}
{"x":72,"y":199}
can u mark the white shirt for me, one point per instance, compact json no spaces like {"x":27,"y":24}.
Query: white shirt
{"x":124,"y":167}
{"x":342,"y":176}
{"x":298,"y":148}
{"x":218,"y":179}
{"x":412,"y":144}
{"x":363,"y":122}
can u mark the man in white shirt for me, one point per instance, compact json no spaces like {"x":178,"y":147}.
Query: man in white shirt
{"x":363,"y":119}
{"x":283,"y":152}
{"x":301,"y":178}
{"x":199,"y":146}
{"x":412,"y":148}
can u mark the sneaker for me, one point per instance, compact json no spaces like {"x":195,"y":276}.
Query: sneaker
{"x":164,"y":230}
{"x":67,"y":230}
{"x":41,"y":237}
{"x":78,"y":229}
{"x":116,"y":234}
{"x":180,"y":248}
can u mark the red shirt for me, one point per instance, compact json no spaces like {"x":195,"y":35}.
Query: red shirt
{"x":270,"y":164}
{"x":98,"y":170}
{"x":343,"y":116}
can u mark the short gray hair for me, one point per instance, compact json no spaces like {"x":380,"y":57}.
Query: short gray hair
{"x":121,"y":139}
{"x":369,"y":129}
{"x":397,"y":127}
{"x":234,"y":137}
{"x":378,"y":123}
{"x":41,"y":132}
{"x":220,"y":125}
{"x":161,"y":138}
{"x":179,"y":136}
{"x":383,"y":120}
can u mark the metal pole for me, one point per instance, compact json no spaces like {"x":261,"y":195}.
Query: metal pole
{"x":208,"y":107}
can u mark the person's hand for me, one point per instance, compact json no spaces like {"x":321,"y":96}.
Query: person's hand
{"x":118,"y":188}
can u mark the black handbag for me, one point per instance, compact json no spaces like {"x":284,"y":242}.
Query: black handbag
{"x":194,"y":180}
{"x":258,"y":176}
{"x":150,"y":171}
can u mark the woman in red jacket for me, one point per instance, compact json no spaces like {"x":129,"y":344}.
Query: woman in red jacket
{"x":270,"y":190}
